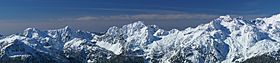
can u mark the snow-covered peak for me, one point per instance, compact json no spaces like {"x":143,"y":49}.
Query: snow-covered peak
{"x":271,"y":20}
{"x":127,"y":29}
{"x":225,"y":18}
{"x":225,"y":39}
{"x":65,"y":29}
{"x":32,"y":32}
{"x":135,"y":25}
{"x":63,"y":32}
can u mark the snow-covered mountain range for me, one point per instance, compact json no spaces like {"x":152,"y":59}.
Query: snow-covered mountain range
{"x":223,"y":40}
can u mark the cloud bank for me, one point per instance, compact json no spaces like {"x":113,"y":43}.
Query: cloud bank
{"x":147,"y":17}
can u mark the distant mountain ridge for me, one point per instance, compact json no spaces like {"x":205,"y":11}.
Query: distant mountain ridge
{"x":223,"y":40}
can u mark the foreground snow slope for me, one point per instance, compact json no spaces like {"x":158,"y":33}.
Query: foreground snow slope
{"x":223,"y":40}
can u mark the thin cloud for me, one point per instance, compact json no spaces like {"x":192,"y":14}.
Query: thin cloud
{"x":164,"y":17}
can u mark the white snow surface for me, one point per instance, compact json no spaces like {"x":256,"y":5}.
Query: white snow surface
{"x":116,"y":48}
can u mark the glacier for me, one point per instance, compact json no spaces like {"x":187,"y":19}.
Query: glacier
{"x":224,"y":40}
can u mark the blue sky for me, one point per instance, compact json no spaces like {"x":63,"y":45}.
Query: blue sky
{"x":99,"y":15}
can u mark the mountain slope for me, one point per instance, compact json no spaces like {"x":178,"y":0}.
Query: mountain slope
{"x":223,"y":40}
{"x":1,"y":36}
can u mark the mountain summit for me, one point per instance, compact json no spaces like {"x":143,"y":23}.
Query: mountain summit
{"x":223,"y":40}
